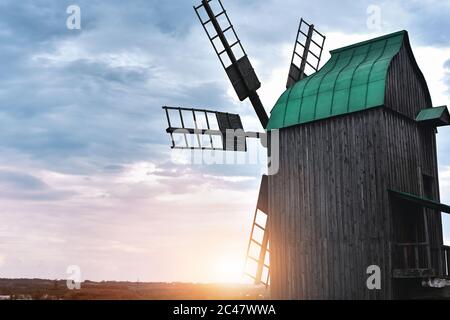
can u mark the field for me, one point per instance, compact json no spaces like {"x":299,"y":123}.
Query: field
{"x":39,"y":289}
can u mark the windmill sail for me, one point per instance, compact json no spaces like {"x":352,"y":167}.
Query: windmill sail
{"x":307,"y":52}
{"x":200,"y":129}
{"x":231,"y":53}
{"x":257,"y":264}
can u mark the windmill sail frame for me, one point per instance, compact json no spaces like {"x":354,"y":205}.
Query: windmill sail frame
{"x":297,"y":71}
{"x":228,"y":128}
{"x":240,"y":71}
{"x":263,"y":256}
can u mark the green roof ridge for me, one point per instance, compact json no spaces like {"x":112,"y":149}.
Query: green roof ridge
{"x":386,"y":36}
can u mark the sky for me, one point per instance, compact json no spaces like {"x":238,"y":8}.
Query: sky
{"x":87,"y":177}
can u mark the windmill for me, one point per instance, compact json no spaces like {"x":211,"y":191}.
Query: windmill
{"x":214,"y":130}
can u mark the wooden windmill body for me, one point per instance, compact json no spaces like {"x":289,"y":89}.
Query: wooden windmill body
{"x":358,"y":147}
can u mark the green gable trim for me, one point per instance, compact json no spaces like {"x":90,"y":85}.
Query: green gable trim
{"x":354,"y":79}
{"x":438,"y":116}
{"x":424,"y":202}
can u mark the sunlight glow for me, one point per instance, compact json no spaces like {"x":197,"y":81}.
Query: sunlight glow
{"x":229,"y":269}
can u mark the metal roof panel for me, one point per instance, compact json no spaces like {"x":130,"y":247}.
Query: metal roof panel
{"x":353,"y":79}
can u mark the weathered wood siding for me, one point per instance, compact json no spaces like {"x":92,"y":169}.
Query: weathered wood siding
{"x":330,"y":211}
{"x":330,"y":215}
{"x":406,"y":90}
{"x":326,"y":212}
{"x":411,"y":153}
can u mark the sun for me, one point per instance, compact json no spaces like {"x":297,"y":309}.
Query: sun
{"x":229,"y":269}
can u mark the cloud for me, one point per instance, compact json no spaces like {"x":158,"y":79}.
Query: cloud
{"x":444,"y":184}
{"x":447,"y":75}
{"x":125,"y":63}
{"x":447,"y":64}
{"x":21,"y":186}
{"x":130,"y":214}
{"x":20,"y":180}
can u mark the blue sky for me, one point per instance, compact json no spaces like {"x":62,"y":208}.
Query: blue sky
{"x":86,"y":174}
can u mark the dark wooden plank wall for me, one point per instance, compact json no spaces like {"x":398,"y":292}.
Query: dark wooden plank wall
{"x":329,"y":205}
{"x":430,"y":168}
{"x":412,"y":153}
{"x":406,"y":90}
{"x":407,"y":93}
{"x":326,"y":212}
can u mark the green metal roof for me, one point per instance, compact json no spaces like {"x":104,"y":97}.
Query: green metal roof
{"x":353,"y":79}
{"x":437,"y":115}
